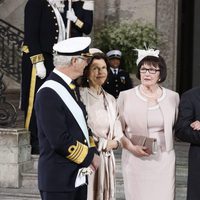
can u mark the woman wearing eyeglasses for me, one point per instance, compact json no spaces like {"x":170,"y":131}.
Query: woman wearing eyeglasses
{"x":149,"y":110}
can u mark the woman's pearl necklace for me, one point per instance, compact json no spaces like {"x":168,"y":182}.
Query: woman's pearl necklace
{"x":153,"y":96}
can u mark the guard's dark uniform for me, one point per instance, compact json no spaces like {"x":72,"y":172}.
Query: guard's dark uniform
{"x":41,"y":33}
{"x":117,"y":82}
{"x":63,"y":146}
{"x":84,"y":22}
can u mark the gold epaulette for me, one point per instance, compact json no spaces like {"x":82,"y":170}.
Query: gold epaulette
{"x":79,"y":23}
{"x":25,"y":49}
{"x":77,"y":153}
{"x":37,"y":58}
{"x":92,"y":143}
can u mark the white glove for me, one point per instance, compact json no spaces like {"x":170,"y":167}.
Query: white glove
{"x":40,"y":70}
{"x":88,"y":5}
{"x":71,"y":15}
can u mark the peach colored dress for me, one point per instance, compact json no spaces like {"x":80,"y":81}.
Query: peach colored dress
{"x":153,"y":177}
{"x":103,"y":120}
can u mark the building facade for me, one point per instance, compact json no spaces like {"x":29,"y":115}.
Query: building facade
{"x":177,"y":20}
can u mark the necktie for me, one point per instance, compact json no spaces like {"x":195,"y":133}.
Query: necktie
{"x":73,"y":88}
{"x":72,"y":85}
{"x":115,"y":72}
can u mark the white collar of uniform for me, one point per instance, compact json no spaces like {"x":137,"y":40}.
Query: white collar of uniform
{"x":66,"y":78}
{"x":113,"y":70}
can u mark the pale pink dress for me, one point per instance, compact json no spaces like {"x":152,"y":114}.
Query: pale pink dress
{"x":153,"y":177}
{"x":103,"y":120}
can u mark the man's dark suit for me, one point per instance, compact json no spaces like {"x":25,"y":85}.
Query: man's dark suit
{"x":189,"y":111}
{"x":60,"y":137}
{"x":117,"y":83}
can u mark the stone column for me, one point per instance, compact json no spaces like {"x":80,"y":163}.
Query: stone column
{"x":15,"y":151}
{"x":167,"y":24}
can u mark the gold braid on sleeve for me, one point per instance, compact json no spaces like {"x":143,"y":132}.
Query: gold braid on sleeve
{"x":77,"y":153}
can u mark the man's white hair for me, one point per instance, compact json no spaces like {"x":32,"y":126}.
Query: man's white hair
{"x":63,"y":61}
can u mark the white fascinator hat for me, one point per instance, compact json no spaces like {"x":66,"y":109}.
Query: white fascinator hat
{"x":143,"y":53}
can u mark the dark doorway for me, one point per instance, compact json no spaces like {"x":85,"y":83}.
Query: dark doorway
{"x":185,"y":43}
{"x":188,"y":59}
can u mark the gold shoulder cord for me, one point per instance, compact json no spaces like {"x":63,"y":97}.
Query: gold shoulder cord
{"x":31,"y":97}
{"x":34,"y":59}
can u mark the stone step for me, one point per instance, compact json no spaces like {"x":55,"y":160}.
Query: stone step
{"x":181,"y":190}
{"x":35,"y":161}
{"x":181,"y":193}
{"x":29,"y":179}
{"x":25,"y":194}
{"x":29,"y":184}
{"x":181,"y":148}
{"x":181,"y":161}
{"x":120,"y":189}
{"x":19,"y":194}
{"x":181,"y":176}
{"x":29,"y":175}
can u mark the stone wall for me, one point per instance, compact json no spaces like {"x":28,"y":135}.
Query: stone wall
{"x":130,"y":10}
{"x":12,"y":11}
{"x":124,"y":10}
{"x":15,"y":153}
{"x":167,"y":24}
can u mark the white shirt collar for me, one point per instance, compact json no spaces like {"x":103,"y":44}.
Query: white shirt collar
{"x":66,"y":78}
{"x":113,"y":70}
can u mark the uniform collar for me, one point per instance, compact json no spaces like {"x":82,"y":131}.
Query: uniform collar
{"x":113,"y":70}
{"x":66,"y":78}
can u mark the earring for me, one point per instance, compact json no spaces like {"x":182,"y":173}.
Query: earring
{"x":87,"y":80}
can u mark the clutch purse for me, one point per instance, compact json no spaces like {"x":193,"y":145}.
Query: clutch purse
{"x":150,"y":143}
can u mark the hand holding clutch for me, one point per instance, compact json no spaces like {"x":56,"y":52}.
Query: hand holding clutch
{"x":149,"y":143}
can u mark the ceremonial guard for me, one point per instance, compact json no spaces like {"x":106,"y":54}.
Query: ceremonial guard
{"x":81,"y":16}
{"x":45,"y":23}
{"x":118,"y":79}
{"x":67,"y":151}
